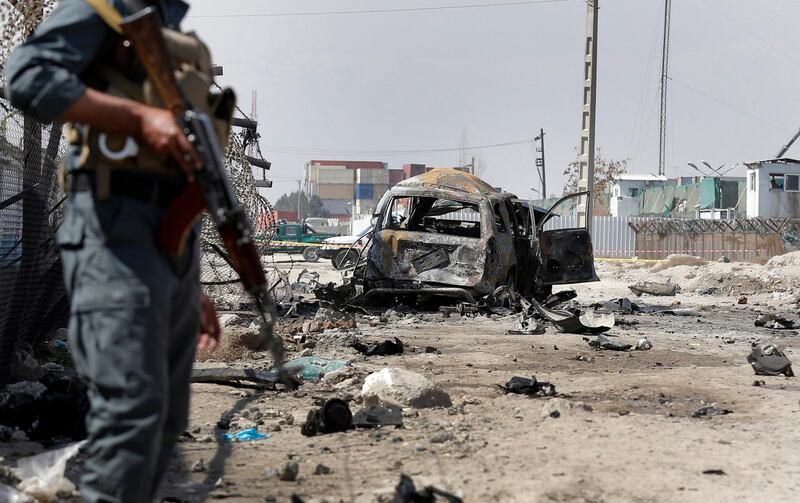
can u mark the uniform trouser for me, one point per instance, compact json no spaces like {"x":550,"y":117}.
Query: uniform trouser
{"x":133,"y":333}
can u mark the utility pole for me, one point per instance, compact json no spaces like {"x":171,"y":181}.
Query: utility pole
{"x":586,"y":161}
{"x":540,"y":163}
{"x":662,"y":132}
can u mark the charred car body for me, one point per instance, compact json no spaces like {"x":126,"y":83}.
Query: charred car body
{"x":449,"y":233}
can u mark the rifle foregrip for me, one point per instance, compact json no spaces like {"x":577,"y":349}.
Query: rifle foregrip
{"x":143,"y":30}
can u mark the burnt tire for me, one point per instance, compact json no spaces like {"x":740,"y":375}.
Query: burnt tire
{"x":310,"y":254}
{"x":344,"y":259}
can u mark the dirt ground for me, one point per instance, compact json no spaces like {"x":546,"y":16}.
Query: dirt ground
{"x":624,"y":431}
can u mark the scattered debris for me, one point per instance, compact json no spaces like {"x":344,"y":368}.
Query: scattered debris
{"x":529,"y":386}
{"x":654,"y":288}
{"x":710,"y":411}
{"x":710,"y":290}
{"x":406,"y":492}
{"x":774,"y":322}
{"x":322,"y":470}
{"x":236,"y":377}
{"x":714,"y":471}
{"x":769,"y":360}
{"x":199,"y":466}
{"x":377,"y":415}
{"x":395,"y":386}
{"x":247,"y":435}
{"x":42,"y":476}
{"x":603,"y":342}
{"x":565,"y":321}
{"x":742,"y":300}
{"x":559,"y":298}
{"x":289,"y":472}
{"x":385,"y":348}
{"x":527,"y":325}
{"x":54,"y":405}
{"x":327,"y":319}
{"x":759,"y":383}
{"x":643,"y":344}
{"x":724,"y":259}
{"x":334,"y":416}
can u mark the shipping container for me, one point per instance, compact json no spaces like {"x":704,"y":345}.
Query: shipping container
{"x":335,"y":191}
{"x":372,"y":176}
{"x":364,"y":191}
{"x":335,"y":175}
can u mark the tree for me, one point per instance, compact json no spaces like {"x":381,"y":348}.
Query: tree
{"x":308,"y":208}
{"x":605,"y":172}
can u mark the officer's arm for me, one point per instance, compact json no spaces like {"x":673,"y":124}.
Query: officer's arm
{"x":43,"y":74}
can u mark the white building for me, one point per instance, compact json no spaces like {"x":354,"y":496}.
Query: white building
{"x":773,"y":188}
{"x":625,"y":192}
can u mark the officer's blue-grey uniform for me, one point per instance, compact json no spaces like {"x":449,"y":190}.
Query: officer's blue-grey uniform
{"x":134,"y":310}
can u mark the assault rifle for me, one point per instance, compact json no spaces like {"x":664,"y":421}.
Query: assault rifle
{"x":211,"y":189}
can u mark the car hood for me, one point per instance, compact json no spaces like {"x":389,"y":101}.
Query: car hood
{"x":341,"y":240}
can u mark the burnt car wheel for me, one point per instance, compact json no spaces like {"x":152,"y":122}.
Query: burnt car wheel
{"x":344,"y":259}
{"x":310,"y":254}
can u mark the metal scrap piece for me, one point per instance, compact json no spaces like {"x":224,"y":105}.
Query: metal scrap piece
{"x":769,"y":360}
{"x":654,"y":288}
{"x":603,"y":342}
{"x":564,"y":321}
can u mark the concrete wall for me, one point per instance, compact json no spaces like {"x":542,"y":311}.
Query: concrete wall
{"x":764,"y":200}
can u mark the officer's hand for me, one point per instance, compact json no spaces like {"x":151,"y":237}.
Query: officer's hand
{"x":209,"y":325}
{"x":161,"y":132}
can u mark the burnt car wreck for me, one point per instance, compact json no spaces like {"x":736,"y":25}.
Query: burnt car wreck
{"x":447,"y":233}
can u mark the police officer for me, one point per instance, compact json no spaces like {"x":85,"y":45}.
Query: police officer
{"x":136,"y":312}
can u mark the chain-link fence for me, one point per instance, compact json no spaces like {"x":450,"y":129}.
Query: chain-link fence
{"x":32,"y":296}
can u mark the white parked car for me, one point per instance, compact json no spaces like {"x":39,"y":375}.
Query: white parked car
{"x":344,"y":250}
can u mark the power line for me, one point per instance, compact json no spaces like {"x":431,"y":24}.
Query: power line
{"x":726,"y":105}
{"x":382,"y":11}
{"x":754,"y":34}
{"x":323,"y":151}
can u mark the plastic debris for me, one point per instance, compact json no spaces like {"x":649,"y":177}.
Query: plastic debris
{"x":769,"y":360}
{"x":529,"y":386}
{"x":603,"y":342}
{"x":312,"y":368}
{"x":376,"y":415}
{"x":406,"y":492}
{"x":10,"y":495}
{"x":643,"y":344}
{"x":245,"y":435}
{"x":42,"y":476}
{"x":334,"y":416}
